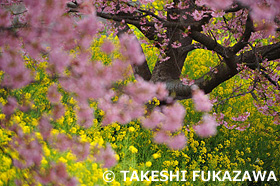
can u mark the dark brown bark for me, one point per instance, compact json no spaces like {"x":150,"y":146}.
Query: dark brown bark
{"x":142,"y":71}
{"x":171,"y":69}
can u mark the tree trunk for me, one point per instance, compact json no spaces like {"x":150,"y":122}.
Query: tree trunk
{"x":171,"y":69}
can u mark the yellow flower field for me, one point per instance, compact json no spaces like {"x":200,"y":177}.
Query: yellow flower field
{"x":255,"y":149}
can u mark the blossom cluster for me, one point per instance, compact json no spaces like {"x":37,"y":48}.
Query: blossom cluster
{"x":44,"y":32}
{"x":262,"y":12}
{"x":203,"y":104}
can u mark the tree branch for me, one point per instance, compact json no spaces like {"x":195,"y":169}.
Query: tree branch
{"x":237,"y":7}
{"x":249,"y":28}
{"x":169,"y":24}
{"x":222,"y":72}
{"x":210,"y":43}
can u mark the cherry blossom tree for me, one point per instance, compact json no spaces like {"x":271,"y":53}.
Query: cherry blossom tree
{"x":48,"y":30}
{"x":175,"y":25}
{"x":178,"y":27}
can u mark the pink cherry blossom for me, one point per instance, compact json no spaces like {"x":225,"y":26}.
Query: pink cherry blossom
{"x":177,"y":142}
{"x":106,"y":156}
{"x":56,"y":174}
{"x":153,"y":120}
{"x":161,"y":91}
{"x":174,"y":117}
{"x":242,"y":128}
{"x":122,"y":111}
{"x":176,"y":45}
{"x":107,"y":47}
{"x":53,"y":95}
{"x":242,"y":117}
{"x":141,"y":91}
{"x":161,"y":137}
{"x":5,"y":17}
{"x":201,"y":101}
{"x":28,"y":147}
{"x":58,"y":60}
{"x":85,"y":116}
{"x":197,"y":15}
{"x":16,"y":74}
{"x":207,"y":128}
{"x":216,"y":4}
{"x":58,"y":110}
{"x":131,"y":49}
{"x":81,"y":150}
{"x":9,"y":108}
{"x":45,"y":127}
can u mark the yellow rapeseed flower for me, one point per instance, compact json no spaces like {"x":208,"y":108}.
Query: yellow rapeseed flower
{"x":63,"y":160}
{"x":46,"y":150}
{"x":73,"y":130}
{"x":2,"y":116}
{"x":117,"y":157}
{"x":131,"y":129}
{"x":156,"y":155}
{"x":70,"y":156}
{"x":3,"y":101}
{"x":27,"y":95}
{"x":44,"y":161}
{"x":133,"y":149}
{"x":6,"y":161}
{"x":148,"y":164}
{"x":34,"y":122}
